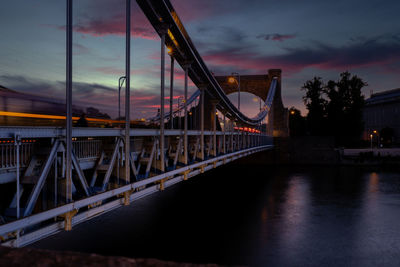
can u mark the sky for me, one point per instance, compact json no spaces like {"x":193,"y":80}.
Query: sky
{"x":303,"y":38}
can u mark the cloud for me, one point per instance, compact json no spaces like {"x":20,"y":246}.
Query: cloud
{"x":103,"y":18}
{"x":114,"y":26}
{"x":80,"y":49}
{"x":276,"y":37}
{"x":382,"y":52}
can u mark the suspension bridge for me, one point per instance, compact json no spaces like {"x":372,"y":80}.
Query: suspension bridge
{"x":58,"y":177}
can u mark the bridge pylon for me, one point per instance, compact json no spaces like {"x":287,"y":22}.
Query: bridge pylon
{"x":259,"y":85}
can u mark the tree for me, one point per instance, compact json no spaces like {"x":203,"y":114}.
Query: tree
{"x":316,"y":105}
{"x":297,"y":123}
{"x":344,"y":108}
{"x":335,"y":108}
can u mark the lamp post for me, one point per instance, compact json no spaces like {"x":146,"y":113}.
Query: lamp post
{"x":121,"y":81}
{"x":232,"y":80}
{"x":377,"y":136}
{"x":371,"y":136}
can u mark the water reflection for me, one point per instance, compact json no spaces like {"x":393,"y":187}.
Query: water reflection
{"x":235,"y":215}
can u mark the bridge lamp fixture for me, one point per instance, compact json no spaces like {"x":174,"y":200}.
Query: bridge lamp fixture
{"x":121,"y":81}
{"x":232,"y":79}
{"x":169,"y":50}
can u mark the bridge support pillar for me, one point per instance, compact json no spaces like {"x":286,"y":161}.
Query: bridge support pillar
{"x":231,"y":137}
{"x":214,"y":125}
{"x":162,"y":126}
{"x":202,"y":96}
{"x":224,"y":141}
{"x":185,"y":134}
{"x":127,"y":91}
{"x":171,"y":93}
{"x":68,"y":136}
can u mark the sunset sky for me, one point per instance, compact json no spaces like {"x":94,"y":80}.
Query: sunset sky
{"x":304,"y":38}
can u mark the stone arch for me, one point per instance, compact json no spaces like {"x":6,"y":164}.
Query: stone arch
{"x":259,"y":85}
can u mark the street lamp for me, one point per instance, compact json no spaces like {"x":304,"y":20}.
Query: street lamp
{"x":232,"y":80}
{"x":120,"y":84}
{"x":371,"y":136}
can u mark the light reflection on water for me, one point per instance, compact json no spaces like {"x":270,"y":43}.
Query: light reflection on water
{"x":235,"y":215}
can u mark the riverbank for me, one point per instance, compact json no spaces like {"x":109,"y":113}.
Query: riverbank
{"x":42,"y":257}
{"x":317,"y":150}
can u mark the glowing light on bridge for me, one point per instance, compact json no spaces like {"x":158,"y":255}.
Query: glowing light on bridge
{"x":247,"y":129}
{"x":52,"y":117}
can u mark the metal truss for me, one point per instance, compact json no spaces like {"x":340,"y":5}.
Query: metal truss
{"x":20,"y":233}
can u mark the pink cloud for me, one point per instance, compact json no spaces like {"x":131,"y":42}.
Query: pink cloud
{"x":357,"y":55}
{"x":158,"y":106}
{"x":174,"y":97}
{"x":276,"y":37}
{"x":115,"y":25}
{"x":110,"y":17}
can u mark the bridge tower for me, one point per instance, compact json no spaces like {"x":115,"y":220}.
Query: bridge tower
{"x":259,"y":85}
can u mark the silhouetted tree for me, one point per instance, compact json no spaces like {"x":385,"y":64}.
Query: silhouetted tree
{"x":344,"y":108}
{"x":334,"y":109}
{"x":297,"y":123}
{"x":316,"y":105}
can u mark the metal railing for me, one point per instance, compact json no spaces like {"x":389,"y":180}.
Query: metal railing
{"x":8,"y":154}
{"x":125,"y":194}
{"x":87,"y":149}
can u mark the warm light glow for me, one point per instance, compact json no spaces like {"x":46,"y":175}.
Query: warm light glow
{"x":169,"y":50}
{"x":171,"y":36}
{"x":51,"y":117}
{"x":375,"y":131}
{"x":292,"y":112}
{"x":231,"y":80}
{"x":246,"y":129}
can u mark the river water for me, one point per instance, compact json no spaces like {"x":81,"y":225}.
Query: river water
{"x":257,"y":215}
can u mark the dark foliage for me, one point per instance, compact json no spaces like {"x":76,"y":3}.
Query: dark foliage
{"x":316,"y":105}
{"x":335,"y":108}
{"x":297,"y":123}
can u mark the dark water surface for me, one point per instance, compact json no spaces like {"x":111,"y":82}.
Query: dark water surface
{"x":256,"y":215}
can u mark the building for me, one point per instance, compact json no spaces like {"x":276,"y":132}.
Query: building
{"x":382,"y":117}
